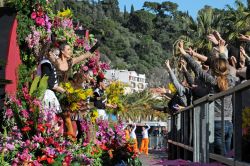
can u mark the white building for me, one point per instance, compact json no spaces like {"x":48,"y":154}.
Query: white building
{"x":136,"y":82}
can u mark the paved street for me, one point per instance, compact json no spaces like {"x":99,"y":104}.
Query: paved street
{"x":154,"y":158}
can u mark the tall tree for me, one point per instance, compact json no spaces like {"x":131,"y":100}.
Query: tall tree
{"x":132,"y":9}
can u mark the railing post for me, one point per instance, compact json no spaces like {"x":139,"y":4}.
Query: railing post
{"x":196,"y":139}
{"x":178,"y":131}
{"x":211,"y":124}
{"x":238,"y":125}
{"x":186,"y":131}
{"x":204,"y":117}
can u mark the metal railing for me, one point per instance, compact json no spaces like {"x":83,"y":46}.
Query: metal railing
{"x":191,"y":130}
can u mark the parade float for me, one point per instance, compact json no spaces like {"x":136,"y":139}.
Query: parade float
{"x":33,"y":134}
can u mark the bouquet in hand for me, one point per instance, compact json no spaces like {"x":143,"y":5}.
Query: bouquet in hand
{"x":74,"y":99}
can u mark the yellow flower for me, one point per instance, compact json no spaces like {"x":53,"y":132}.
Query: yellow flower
{"x":74,"y":107}
{"x":66,"y":13}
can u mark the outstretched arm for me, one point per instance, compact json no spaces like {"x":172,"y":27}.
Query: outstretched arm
{"x":81,"y":58}
{"x":180,"y":89}
{"x":196,"y":67}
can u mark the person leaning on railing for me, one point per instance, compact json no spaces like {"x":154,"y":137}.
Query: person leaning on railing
{"x":220,"y":80}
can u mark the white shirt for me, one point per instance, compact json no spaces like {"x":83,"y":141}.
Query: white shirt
{"x":132,"y":134}
{"x":145,"y":132}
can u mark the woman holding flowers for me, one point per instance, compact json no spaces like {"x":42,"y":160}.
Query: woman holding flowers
{"x":64,"y":65}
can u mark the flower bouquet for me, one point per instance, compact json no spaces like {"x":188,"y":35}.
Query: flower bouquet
{"x":74,"y":99}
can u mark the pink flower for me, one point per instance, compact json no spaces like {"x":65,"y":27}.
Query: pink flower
{"x":49,"y":25}
{"x":85,"y":68}
{"x":25,"y":114}
{"x":36,"y":163}
{"x":33,"y":15}
{"x":9,"y":113}
{"x":95,"y":72}
{"x":40,"y":21}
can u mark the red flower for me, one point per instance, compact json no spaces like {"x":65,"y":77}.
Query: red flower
{"x":56,"y":45}
{"x":40,"y":127}
{"x":67,"y":160}
{"x":50,"y":160}
{"x":48,"y":125}
{"x":26,"y":128}
{"x":103,"y":147}
{"x":49,"y":140}
{"x":101,"y":75}
{"x":29,"y":122}
{"x":43,"y":158}
{"x":39,"y":11}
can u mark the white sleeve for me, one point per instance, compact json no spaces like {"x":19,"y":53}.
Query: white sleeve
{"x":134,"y":128}
{"x":148,"y":127}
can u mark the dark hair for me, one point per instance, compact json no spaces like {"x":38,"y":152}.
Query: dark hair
{"x":234,"y":51}
{"x":62,"y":47}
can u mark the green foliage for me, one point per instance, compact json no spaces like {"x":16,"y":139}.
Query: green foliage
{"x":24,"y":75}
{"x":141,"y":21}
{"x":39,"y":86}
{"x":141,"y":107}
{"x":24,"y":21}
{"x":143,"y":39}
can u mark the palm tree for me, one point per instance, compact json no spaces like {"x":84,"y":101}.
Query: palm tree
{"x":140,"y":107}
{"x":207,"y":21}
{"x":237,"y":20}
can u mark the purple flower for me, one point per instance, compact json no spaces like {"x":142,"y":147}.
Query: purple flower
{"x":38,"y":138}
{"x":50,"y":151}
{"x":10,"y":146}
{"x":25,"y":156}
{"x":49,"y":25}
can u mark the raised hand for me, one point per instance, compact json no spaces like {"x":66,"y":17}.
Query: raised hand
{"x":167,"y":64}
{"x":213,"y":39}
{"x":181,"y":47}
{"x":244,"y":37}
{"x":242,"y":51}
{"x":222,"y":46}
{"x":234,"y":61}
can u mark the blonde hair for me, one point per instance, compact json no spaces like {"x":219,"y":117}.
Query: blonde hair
{"x":221,"y":71}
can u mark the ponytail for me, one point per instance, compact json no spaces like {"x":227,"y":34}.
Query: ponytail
{"x":222,"y":82}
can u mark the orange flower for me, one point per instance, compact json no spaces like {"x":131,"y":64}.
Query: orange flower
{"x":43,"y":158}
{"x":50,"y":160}
{"x":110,"y":153}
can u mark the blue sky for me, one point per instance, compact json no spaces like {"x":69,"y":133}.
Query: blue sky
{"x":192,"y":6}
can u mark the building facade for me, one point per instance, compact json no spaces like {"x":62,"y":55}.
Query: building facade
{"x":136,"y":82}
